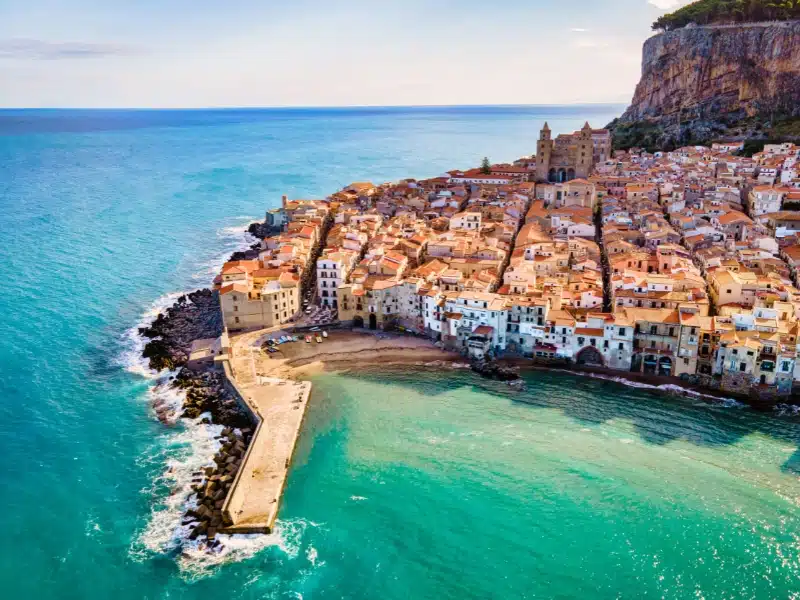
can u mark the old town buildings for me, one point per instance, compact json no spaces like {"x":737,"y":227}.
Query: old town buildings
{"x":680,"y":263}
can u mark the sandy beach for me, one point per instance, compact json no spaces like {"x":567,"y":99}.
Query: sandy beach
{"x":341,"y":350}
{"x":268,"y":384}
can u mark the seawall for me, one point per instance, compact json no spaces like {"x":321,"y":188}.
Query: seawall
{"x":278,"y":409}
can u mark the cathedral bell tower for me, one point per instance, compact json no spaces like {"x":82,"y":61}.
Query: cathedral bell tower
{"x":544,"y":149}
{"x":585,"y":158}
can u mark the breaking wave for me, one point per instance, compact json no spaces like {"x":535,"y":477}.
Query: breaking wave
{"x":196,"y":561}
{"x":180,"y":454}
{"x":133,"y":343}
{"x":230,"y":239}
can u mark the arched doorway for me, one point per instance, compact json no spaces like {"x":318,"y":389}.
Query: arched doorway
{"x":636,"y":363}
{"x":589,"y":356}
{"x":570,"y":174}
{"x":650,"y":364}
{"x":665,"y":365}
{"x":551,"y":176}
{"x":373,"y":321}
{"x":358,"y":321}
{"x":562,"y":176}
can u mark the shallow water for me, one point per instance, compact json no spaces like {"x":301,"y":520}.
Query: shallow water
{"x":577,"y":488}
{"x":403,"y":485}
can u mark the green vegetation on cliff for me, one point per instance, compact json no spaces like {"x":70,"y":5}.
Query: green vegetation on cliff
{"x":707,"y":12}
{"x":651,"y":136}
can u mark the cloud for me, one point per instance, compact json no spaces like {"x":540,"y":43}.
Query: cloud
{"x":579,"y":30}
{"x":669,"y":4}
{"x":30,"y":49}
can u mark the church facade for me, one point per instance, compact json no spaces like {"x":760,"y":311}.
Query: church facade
{"x":570,"y":156}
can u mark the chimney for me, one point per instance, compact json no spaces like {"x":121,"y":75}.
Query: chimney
{"x":284,"y":200}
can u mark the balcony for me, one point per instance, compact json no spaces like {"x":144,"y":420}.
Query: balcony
{"x":770,"y":356}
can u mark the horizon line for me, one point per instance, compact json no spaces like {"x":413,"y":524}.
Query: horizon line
{"x":300,"y":107}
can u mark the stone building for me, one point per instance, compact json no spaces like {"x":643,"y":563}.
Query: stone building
{"x":570,"y":156}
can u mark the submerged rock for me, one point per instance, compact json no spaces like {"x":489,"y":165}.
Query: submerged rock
{"x":491,"y":370}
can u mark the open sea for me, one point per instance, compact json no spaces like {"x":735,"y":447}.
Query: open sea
{"x":407,"y":484}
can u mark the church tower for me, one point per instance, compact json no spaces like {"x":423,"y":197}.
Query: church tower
{"x":584,"y":160}
{"x":544,"y":149}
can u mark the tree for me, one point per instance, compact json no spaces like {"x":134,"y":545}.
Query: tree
{"x":486,"y":166}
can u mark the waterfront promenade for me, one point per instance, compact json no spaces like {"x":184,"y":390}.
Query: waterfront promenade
{"x":268,"y":388}
{"x":279,"y":407}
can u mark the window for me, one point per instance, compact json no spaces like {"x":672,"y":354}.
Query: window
{"x":653,"y":330}
{"x":672,"y":332}
{"x":622,"y":332}
{"x":236,"y":319}
{"x":605,"y":345}
{"x":742,"y":366}
{"x":621,"y":346}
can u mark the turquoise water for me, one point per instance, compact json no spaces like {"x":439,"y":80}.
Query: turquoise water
{"x":405,"y":486}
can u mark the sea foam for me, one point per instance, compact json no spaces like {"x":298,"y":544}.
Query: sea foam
{"x":192,"y":445}
{"x":230,"y":239}
{"x":665,"y":387}
{"x":133,"y":342}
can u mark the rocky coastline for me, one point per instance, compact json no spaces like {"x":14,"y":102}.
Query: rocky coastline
{"x":204,"y":393}
{"x":210,"y":486}
{"x":259,"y":231}
{"x":193,"y":316}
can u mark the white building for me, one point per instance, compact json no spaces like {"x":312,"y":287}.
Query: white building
{"x":466,"y":311}
{"x":765,"y":199}
{"x":333,"y":269}
{"x":470,"y":221}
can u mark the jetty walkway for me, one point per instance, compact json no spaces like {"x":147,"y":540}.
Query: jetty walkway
{"x":278,"y":407}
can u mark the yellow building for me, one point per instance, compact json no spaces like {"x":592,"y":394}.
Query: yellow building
{"x":374,"y":303}
{"x":272,"y":302}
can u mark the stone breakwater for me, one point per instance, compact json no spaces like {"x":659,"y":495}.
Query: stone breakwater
{"x":193,"y":316}
{"x":206,"y":392}
{"x":212,"y":484}
{"x":191,"y":393}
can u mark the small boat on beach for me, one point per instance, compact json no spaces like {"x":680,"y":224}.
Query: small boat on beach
{"x":308,"y":339}
{"x":319,"y":340}
{"x":324,"y":334}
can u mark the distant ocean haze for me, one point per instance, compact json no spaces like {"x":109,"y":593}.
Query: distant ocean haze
{"x":405,"y":485}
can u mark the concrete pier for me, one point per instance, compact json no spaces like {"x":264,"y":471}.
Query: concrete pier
{"x":278,"y":407}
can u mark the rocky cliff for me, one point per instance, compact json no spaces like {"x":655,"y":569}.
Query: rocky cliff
{"x":701,"y":82}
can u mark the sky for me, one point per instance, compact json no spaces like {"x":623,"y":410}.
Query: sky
{"x":214,"y":53}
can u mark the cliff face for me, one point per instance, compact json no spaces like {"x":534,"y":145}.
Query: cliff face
{"x":701,"y":81}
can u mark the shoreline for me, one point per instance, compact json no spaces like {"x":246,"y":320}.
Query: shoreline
{"x":199,"y":394}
